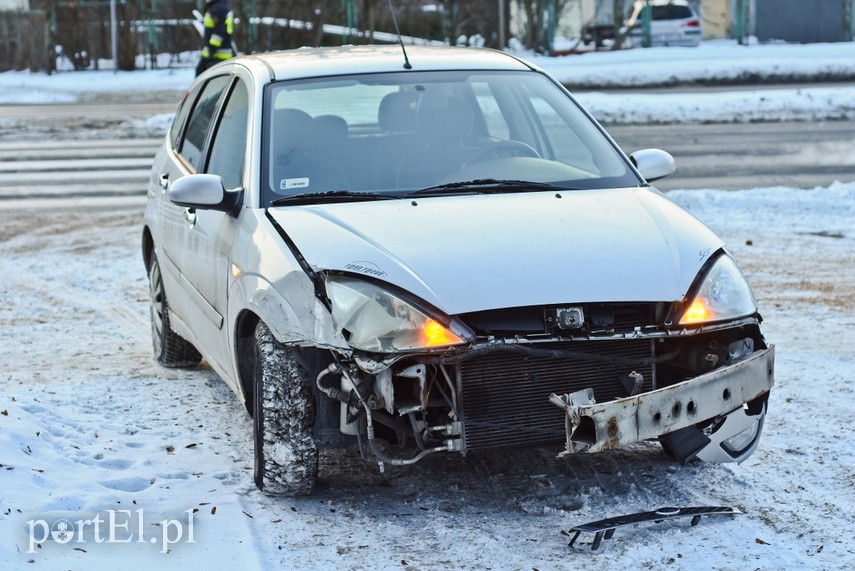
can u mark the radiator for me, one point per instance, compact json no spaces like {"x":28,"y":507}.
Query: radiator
{"x":506,"y":395}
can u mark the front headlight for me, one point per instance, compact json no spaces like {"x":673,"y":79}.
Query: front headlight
{"x":374,"y":319}
{"x":723,"y":294}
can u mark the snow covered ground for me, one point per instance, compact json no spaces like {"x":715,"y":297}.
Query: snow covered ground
{"x":711,"y":63}
{"x":91,"y":429}
{"x":715,"y":62}
{"x":782,"y":104}
{"x":89,"y":425}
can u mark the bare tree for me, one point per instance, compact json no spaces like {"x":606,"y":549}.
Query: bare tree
{"x":535,"y":12}
{"x":621,"y":29}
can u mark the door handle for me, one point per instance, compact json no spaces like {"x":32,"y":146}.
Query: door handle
{"x":190,"y":217}
{"x":164,"y":181}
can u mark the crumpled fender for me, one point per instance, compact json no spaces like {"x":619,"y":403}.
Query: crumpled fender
{"x":298,"y":319}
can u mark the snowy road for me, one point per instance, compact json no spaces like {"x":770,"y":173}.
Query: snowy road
{"x":75,"y":168}
{"x":749,"y":155}
{"x":89,"y":424}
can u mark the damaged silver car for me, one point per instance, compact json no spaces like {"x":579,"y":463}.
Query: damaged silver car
{"x":442,"y":249}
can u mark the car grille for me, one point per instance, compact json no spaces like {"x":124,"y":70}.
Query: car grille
{"x":599,"y":317}
{"x":506,"y":395}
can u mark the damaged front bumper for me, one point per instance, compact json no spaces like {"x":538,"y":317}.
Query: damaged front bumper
{"x":593,"y":427}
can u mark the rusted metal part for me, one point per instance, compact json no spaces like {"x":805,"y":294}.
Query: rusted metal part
{"x":593,"y":427}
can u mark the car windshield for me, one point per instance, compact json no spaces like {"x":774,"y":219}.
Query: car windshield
{"x":396,"y":133}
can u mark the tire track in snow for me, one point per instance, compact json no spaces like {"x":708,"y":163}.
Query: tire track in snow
{"x":120,"y":314}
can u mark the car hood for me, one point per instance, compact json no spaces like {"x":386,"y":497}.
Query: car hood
{"x":479,"y":252}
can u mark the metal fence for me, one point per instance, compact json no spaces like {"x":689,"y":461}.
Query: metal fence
{"x":80,"y":30}
{"x":76,"y":34}
{"x":804,"y":21}
{"x":23,"y":41}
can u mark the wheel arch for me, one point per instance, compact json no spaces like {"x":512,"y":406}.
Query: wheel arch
{"x":147,"y":247}
{"x":312,"y":359}
{"x":244,"y":343}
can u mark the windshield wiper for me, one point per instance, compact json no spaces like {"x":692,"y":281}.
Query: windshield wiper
{"x":330,"y":196}
{"x":488,"y":186}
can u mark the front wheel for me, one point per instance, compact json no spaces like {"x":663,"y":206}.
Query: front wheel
{"x":286,"y":456}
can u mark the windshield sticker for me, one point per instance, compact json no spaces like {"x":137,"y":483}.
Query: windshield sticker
{"x":289,"y":183}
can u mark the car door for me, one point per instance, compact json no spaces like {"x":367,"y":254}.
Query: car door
{"x":179,"y":244}
{"x":211,"y":232}
{"x":159,"y":212}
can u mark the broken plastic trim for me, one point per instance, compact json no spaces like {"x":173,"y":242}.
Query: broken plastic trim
{"x":593,"y":426}
{"x":605,"y":528}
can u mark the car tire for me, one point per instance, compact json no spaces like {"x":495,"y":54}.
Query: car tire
{"x":170,"y":349}
{"x":286,"y":455}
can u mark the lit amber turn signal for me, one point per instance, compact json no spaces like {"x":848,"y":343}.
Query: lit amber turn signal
{"x":697,"y":313}
{"x":435,"y":334}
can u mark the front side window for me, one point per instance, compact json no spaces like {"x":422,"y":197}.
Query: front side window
{"x":200,"y":120}
{"x":228,"y":148}
{"x":400,"y":132}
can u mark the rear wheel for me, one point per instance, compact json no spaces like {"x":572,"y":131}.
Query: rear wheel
{"x":286,"y":455}
{"x":170,"y":349}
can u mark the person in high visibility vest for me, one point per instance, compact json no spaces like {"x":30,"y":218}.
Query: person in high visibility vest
{"x":219,"y":27}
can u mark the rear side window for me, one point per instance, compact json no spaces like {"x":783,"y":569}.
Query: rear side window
{"x":671,"y":12}
{"x":200,"y":120}
{"x":228,"y":149}
{"x":181,"y":116}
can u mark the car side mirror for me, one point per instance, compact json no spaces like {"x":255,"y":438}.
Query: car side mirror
{"x":205,"y":192}
{"x":653,"y":164}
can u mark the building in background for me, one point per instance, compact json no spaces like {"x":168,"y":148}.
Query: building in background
{"x":716,"y":17}
{"x":9,"y":5}
{"x":802,"y":21}
{"x":23,"y":36}
{"x":575,"y":15}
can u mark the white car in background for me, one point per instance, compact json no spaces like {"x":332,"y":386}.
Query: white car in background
{"x":444,"y":251}
{"x":673,"y":23}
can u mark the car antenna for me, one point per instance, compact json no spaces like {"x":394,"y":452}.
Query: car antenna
{"x":400,"y":39}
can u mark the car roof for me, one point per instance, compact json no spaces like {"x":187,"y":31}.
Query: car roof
{"x":320,"y":62}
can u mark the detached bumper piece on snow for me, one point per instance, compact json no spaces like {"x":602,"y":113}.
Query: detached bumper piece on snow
{"x":605,"y":528}
{"x":733,"y":395}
